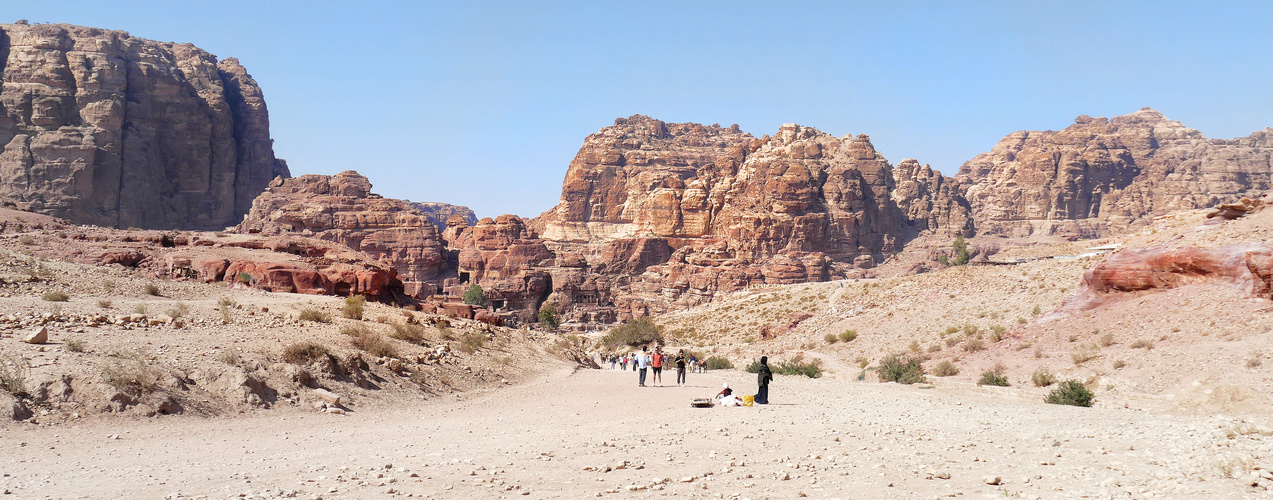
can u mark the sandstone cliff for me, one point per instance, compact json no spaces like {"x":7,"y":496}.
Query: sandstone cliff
{"x":1102,"y":176}
{"x":341,"y":208}
{"x":103,"y":128}
{"x":440,"y":213}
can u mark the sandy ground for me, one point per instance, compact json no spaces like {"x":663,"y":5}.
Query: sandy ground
{"x":593,"y":433}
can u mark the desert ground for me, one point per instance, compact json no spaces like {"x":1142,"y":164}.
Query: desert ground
{"x":593,"y":433}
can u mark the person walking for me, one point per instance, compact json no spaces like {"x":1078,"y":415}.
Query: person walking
{"x":763,"y":376}
{"x":642,"y":362}
{"x":680,"y":368}
{"x":657,"y":361}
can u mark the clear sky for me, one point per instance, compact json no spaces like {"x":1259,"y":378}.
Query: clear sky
{"x":485,"y":103}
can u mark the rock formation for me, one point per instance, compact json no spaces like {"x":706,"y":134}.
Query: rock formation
{"x":440,"y":213}
{"x":103,"y":128}
{"x":341,"y":208}
{"x":1102,"y":176}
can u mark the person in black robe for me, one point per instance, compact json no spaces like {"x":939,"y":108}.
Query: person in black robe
{"x":763,"y":376}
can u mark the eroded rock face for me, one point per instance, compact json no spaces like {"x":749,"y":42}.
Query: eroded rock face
{"x":103,"y":128}
{"x":440,"y":213}
{"x":341,"y":208}
{"x":1102,"y":176}
{"x":1148,"y":270}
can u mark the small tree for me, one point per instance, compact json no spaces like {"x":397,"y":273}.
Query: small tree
{"x":961,"y":251}
{"x":475,"y":296}
{"x":548,"y":316}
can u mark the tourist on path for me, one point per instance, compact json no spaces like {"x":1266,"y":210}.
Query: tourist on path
{"x":641,"y":362}
{"x":657,"y":362}
{"x":763,"y":376}
{"x":680,"y":368}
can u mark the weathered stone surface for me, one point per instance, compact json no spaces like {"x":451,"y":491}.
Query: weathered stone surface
{"x":1147,"y":270}
{"x":1102,"y":176}
{"x":440,"y":213}
{"x":103,"y":128}
{"x":38,"y":336}
{"x":342,"y":209}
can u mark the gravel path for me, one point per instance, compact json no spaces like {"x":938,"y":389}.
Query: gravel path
{"x":593,"y":433}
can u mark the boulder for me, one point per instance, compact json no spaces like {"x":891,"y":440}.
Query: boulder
{"x":39,"y":335}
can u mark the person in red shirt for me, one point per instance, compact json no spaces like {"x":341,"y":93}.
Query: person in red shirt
{"x":657,"y":361}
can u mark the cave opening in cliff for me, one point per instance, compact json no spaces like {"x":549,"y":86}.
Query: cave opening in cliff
{"x":497,"y":305}
{"x":464,"y":277}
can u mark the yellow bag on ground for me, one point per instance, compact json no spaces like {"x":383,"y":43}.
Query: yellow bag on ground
{"x":749,"y":400}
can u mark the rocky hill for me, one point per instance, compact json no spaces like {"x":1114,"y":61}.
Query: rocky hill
{"x":103,"y":128}
{"x":1104,"y":176}
{"x":439,"y":213}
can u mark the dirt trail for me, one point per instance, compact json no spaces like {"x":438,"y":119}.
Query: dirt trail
{"x":555,"y":437}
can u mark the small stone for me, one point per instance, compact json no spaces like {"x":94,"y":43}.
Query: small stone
{"x":327,"y":396}
{"x":991,"y":480}
{"x":942,"y":475}
{"x":335,"y":411}
{"x":38,"y":336}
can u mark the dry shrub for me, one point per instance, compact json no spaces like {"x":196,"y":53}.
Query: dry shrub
{"x":104,"y":304}
{"x":152,"y":289}
{"x":179,"y":310}
{"x":75,"y":345}
{"x":973,"y":345}
{"x":472,"y":341}
{"x":230,"y":357}
{"x":1042,"y":378}
{"x":1084,"y":353}
{"x":13,"y":374}
{"x":950,"y":342}
{"x":409,"y":332}
{"x":131,"y":374}
{"x":303,"y":353}
{"x":831,"y":338}
{"x":1119,"y":364}
{"x":997,"y":333}
{"x":994,"y":376}
{"x":945,"y":369}
{"x":374,"y":344}
{"x":1107,"y":340}
{"x":902,"y":369}
{"x":315,"y":315}
{"x":970,"y":329}
{"x":56,"y":296}
{"x":848,"y":335}
{"x":353,"y":306}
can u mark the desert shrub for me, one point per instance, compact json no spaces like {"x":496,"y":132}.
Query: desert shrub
{"x":548,"y":316}
{"x":244,"y":278}
{"x":225,"y":305}
{"x":1107,"y":340}
{"x":831,"y":338}
{"x":26,"y":239}
{"x":475,"y":296}
{"x":997,"y":333}
{"x":139,"y":309}
{"x":472,"y":341}
{"x":902,"y":369}
{"x":229,"y":357}
{"x":374,"y":344}
{"x":951,"y":341}
{"x":973,"y":345}
{"x":718,"y":363}
{"x":225,"y":302}
{"x":1021,"y":321}
{"x":960,"y":247}
{"x":355,"y":329}
{"x":13,"y":375}
{"x":914,"y":346}
{"x":945,"y":369}
{"x":1070,"y":392}
{"x":353,"y":306}
{"x":951,"y":329}
{"x":104,"y":304}
{"x":131,"y":374}
{"x":152,"y":289}
{"x":934,"y":348}
{"x":303,"y":353}
{"x":970,"y":329}
{"x":848,"y":335}
{"x":993,"y":376}
{"x":1083,"y":353}
{"x":1042,"y":378}
{"x":1142,"y":343}
{"x":1254,"y":361}
{"x":407,"y":332}
{"x":798,"y":366}
{"x":635,"y":333}
{"x":56,"y":296}
{"x":179,"y":310}
{"x":315,"y":315}
{"x":1120,"y":363}
{"x":1036,"y":311}
{"x":75,"y":345}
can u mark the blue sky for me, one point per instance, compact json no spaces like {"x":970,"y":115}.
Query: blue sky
{"x":485,"y":103}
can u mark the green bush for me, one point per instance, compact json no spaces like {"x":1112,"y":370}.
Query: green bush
{"x":353,"y":306}
{"x":636,"y":333}
{"x":548,"y":316}
{"x":961,"y":251}
{"x":718,"y":363}
{"x":848,"y":335}
{"x":997,"y":333}
{"x":831,"y":338}
{"x":902,"y":369}
{"x":56,"y":296}
{"x":993,"y":376}
{"x":794,"y":366}
{"x":475,"y":296}
{"x":1070,"y":392}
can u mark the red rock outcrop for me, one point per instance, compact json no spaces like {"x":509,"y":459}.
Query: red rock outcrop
{"x":1148,"y":270}
{"x":342,"y":209}
{"x":103,"y":128}
{"x":1102,"y":176}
